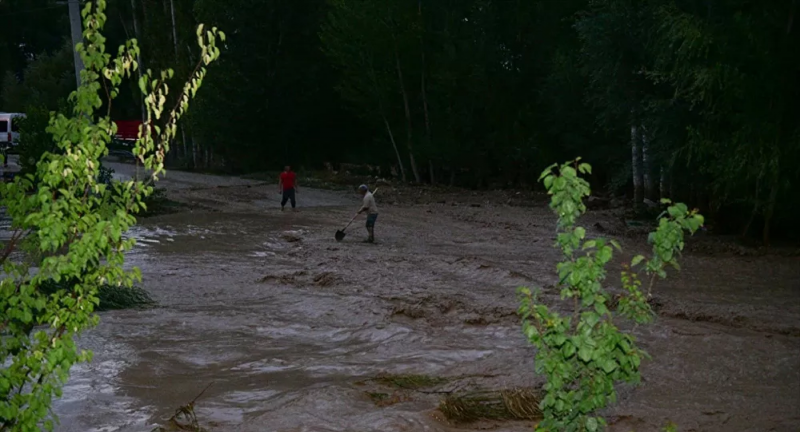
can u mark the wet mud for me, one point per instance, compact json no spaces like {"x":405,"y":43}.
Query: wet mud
{"x":291,"y":328}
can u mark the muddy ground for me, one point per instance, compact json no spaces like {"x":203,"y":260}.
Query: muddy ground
{"x":288,"y":326}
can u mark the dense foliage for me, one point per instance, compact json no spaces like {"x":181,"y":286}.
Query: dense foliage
{"x":584,"y":353}
{"x":692,"y":100}
{"x":67,"y":245}
{"x":33,"y":137}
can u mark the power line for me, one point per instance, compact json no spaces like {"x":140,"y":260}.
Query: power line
{"x":32,"y":10}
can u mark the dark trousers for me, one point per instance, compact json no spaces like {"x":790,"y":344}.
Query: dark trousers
{"x":371,"y":220}
{"x":288,"y":194}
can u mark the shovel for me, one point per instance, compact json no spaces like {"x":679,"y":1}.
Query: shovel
{"x":340,"y":233}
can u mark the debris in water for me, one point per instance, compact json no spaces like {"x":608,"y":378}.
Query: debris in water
{"x":291,"y":237}
{"x":385,"y":399}
{"x":413,"y":312}
{"x":286,"y":279}
{"x":184,"y":418}
{"x":409,"y":382}
{"x":475,"y":319}
{"x":326,"y":279}
{"x":518,"y":275}
{"x":516,"y":404}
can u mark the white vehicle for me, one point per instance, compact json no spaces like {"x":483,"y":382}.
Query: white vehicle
{"x":9,"y":128}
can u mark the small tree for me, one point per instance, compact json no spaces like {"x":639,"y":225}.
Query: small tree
{"x":584,"y":354}
{"x":63,"y":214}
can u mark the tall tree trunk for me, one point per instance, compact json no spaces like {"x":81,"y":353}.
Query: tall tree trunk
{"x":175,"y":45}
{"x":671,"y":184}
{"x":195,"y":148}
{"x":770,"y":210}
{"x":174,"y":28}
{"x":662,"y":183}
{"x":636,"y":166}
{"x":138,"y":35}
{"x":647,"y":165}
{"x":753,"y":214}
{"x":184,"y":150}
{"x":409,"y":133}
{"x":394,"y":146}
{"x":425,"y":93}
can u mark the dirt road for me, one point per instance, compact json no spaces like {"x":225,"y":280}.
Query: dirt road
{"x":286,"y":324}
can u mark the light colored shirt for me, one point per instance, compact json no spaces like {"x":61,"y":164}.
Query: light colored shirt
{"x":369,"y":203}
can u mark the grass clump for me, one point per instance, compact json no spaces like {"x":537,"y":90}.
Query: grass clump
{"x":158,"y":204}
{"x":111,"y":297}
{"x":515,"y":404}
{"x":116,"y":298}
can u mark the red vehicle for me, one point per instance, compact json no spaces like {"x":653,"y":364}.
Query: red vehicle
{"x":127,"y":130}
{"x":127,"y":133}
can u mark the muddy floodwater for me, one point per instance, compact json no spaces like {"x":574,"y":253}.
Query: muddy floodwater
{"x":287,"y":325}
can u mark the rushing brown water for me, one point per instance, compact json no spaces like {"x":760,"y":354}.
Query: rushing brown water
{"x":285,"y":323}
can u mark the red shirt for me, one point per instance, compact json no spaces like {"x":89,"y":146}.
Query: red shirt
{"x":287,"y":179}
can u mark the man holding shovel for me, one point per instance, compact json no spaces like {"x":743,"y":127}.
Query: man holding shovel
{"x":371,"y":209}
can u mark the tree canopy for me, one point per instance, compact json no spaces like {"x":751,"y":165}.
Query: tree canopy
{"x":694,"y":100}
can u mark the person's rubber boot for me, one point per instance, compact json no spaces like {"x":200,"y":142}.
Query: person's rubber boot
{"x":371,"y":238}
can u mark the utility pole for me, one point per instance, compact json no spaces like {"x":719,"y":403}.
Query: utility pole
{"x":76,"y":27}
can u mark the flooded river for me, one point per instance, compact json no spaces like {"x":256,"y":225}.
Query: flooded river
{"x":286,"y":325}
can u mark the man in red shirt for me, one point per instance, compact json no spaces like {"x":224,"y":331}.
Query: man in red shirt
{"x":287,"y":185}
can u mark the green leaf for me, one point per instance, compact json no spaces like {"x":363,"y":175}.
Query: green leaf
{"x":591,"y":424}
{"x":568,"y":350}
{"x":548,"y":182}
{"x":636,"y":260}
{"x":547,"y":171}
{"x":585,"y":353}
{"x":609,"y":365}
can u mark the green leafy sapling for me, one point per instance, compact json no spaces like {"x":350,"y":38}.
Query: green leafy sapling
{"x":584,"y":354}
